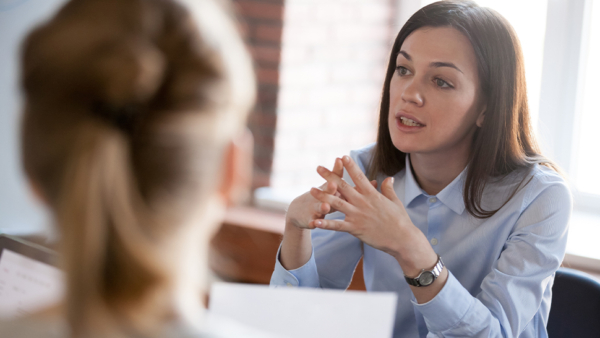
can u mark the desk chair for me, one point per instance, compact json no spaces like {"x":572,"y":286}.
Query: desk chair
{"x":575,"y":310}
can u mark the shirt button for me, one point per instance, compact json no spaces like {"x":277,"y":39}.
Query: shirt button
{"x":289,"y":284}
{"x":434,"y":241}
{"x":432,"y":200}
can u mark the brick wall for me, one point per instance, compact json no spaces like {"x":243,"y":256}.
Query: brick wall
{"x":320,"y":67}
{"x":334,"y":54}
{"x":262,"y":22}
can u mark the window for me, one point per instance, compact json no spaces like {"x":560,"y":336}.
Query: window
{"x":587,"y":154}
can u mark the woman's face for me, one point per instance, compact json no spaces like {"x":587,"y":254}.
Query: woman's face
{"x":434,"y":91}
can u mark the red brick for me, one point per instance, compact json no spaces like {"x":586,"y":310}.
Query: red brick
{"x":264,"y":120}
{"x":260,"y":179}
{"x":267,"y":94}
{"x":264,"y":141}
{"x":266,"y":54}
{"x":268,"y":33}
{"x":263,"y":163}
{"x":260,"y":10}
{"x":267,"y":76}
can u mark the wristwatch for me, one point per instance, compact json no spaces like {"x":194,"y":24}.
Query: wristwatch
{"x":426,"y":277}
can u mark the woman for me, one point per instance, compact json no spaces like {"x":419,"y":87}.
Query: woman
{"x":133,"y":136}
{"x":470,"y":223}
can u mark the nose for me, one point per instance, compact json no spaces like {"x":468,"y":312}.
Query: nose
{"x":412,"y":93}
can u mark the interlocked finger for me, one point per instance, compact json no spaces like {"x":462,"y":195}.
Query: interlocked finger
{"x":334,"y":202}
{"x":333,"y":224}
{"x":347,"y":191}
{"x":358,"y":177}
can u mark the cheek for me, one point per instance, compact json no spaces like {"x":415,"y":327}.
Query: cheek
{"x":453,"y":115}
{"x":396,"y":90}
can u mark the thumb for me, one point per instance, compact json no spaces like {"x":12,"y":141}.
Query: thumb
{"x":387,"y":189}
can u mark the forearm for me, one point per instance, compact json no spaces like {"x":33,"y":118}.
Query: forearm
{"x":296,"y":247}
{"x":416,"y":257}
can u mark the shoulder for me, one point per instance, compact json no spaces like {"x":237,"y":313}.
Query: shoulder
{"x":527,"y":187}
{"x":547,"y":186}
{"x":544,"y":202}
{"x":363,"y":156}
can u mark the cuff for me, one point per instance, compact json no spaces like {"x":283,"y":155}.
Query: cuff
{"x":305,"y":276}
{"x":448,"y":307}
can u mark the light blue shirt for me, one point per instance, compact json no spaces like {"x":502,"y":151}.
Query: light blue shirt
{"x":501,"y":269}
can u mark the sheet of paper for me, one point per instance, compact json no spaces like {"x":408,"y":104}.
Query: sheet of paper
{"x":304,"y":312}
{"x":27,"y":285}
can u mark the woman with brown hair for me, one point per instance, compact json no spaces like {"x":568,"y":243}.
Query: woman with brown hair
{"x":133,"y":136}
{"x":469,"y":221}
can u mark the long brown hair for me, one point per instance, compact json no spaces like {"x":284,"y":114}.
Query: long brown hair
{"x":505,"y":141}
{"x":128,"y":109}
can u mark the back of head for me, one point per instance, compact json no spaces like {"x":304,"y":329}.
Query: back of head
{"x":129,"y":105}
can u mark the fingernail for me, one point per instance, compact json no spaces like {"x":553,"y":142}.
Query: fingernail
{"x":392,"y":180}
{"x":346,"y":159}
{"x":318,"y":223}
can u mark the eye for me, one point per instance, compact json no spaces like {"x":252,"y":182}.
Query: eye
{"x":442,"y":84}
{"x":402,"y":71}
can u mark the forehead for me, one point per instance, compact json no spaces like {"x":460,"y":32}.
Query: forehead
{"x":441,"y":44}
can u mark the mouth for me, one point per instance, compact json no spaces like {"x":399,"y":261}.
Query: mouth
{"x":409,"y":122}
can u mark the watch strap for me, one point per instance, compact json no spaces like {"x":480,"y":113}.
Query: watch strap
{"x":436,"y":271}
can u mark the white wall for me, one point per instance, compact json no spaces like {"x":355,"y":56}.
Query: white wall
{"x":333,"y":61}
{"x":18,"y":212}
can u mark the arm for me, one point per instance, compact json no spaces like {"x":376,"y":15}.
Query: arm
{"x":296,"y":247}
{"x":518,"y":285}
{"x":512,"y":294}
{"x":296,"y":262}
{"x":331,"y":264}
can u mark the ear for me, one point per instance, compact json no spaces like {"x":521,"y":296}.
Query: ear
{"x":37,"y":192}
{"x":480,"y":118}
{"x":237,"y":169}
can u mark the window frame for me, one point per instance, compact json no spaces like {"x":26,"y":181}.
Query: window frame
{"x":568,"y":27}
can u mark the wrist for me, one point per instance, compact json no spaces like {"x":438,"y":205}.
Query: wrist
{"x":416,"y":256}
{"x":292,"y":225}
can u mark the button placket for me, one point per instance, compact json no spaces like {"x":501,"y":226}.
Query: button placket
{"x":435,"y":221}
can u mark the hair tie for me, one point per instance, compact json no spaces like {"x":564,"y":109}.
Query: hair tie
{"x":123,"y":117}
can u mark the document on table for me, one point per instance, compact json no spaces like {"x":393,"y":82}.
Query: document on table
{"x":306,"y":312}
{"x":27,"y":285}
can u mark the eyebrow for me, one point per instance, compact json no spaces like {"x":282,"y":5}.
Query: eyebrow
{"x":433,"y":64}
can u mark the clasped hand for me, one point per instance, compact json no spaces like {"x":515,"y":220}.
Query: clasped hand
{"x":377,"y":219}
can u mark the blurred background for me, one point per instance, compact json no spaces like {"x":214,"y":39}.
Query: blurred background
{"x":320,"y":67}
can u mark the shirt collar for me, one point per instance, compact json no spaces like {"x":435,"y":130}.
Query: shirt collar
{"x":412,"y":189}
{"x":451,"y":195}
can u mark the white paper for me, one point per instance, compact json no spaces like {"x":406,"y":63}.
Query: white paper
{"x":27,"y":285}
{"x":305,"y":312}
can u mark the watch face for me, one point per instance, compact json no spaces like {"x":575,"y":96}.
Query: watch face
{"x":426,"y":278}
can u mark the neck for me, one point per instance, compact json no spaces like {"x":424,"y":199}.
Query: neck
{"x":435,"y":171}
{"x":189,"y":283}
{"x":186,"y":256}
{"x":189,"y":251}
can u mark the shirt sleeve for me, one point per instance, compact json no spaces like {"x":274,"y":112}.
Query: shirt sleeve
{"x":331,"y":264}
{"x":519,"y":284}
{"x":305,"y":275}
{"x":335,"y":254}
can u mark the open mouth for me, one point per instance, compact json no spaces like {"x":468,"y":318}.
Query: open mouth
{"x":408,"y":122}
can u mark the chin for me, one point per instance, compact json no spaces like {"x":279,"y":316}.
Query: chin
{"x":406,"y":146}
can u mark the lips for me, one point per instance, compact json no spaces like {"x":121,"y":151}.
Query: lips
{"x":405,"y":120}
{"x":409,"y":122}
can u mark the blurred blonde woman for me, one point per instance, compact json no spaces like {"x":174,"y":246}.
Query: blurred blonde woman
{"x":133,"y":136}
